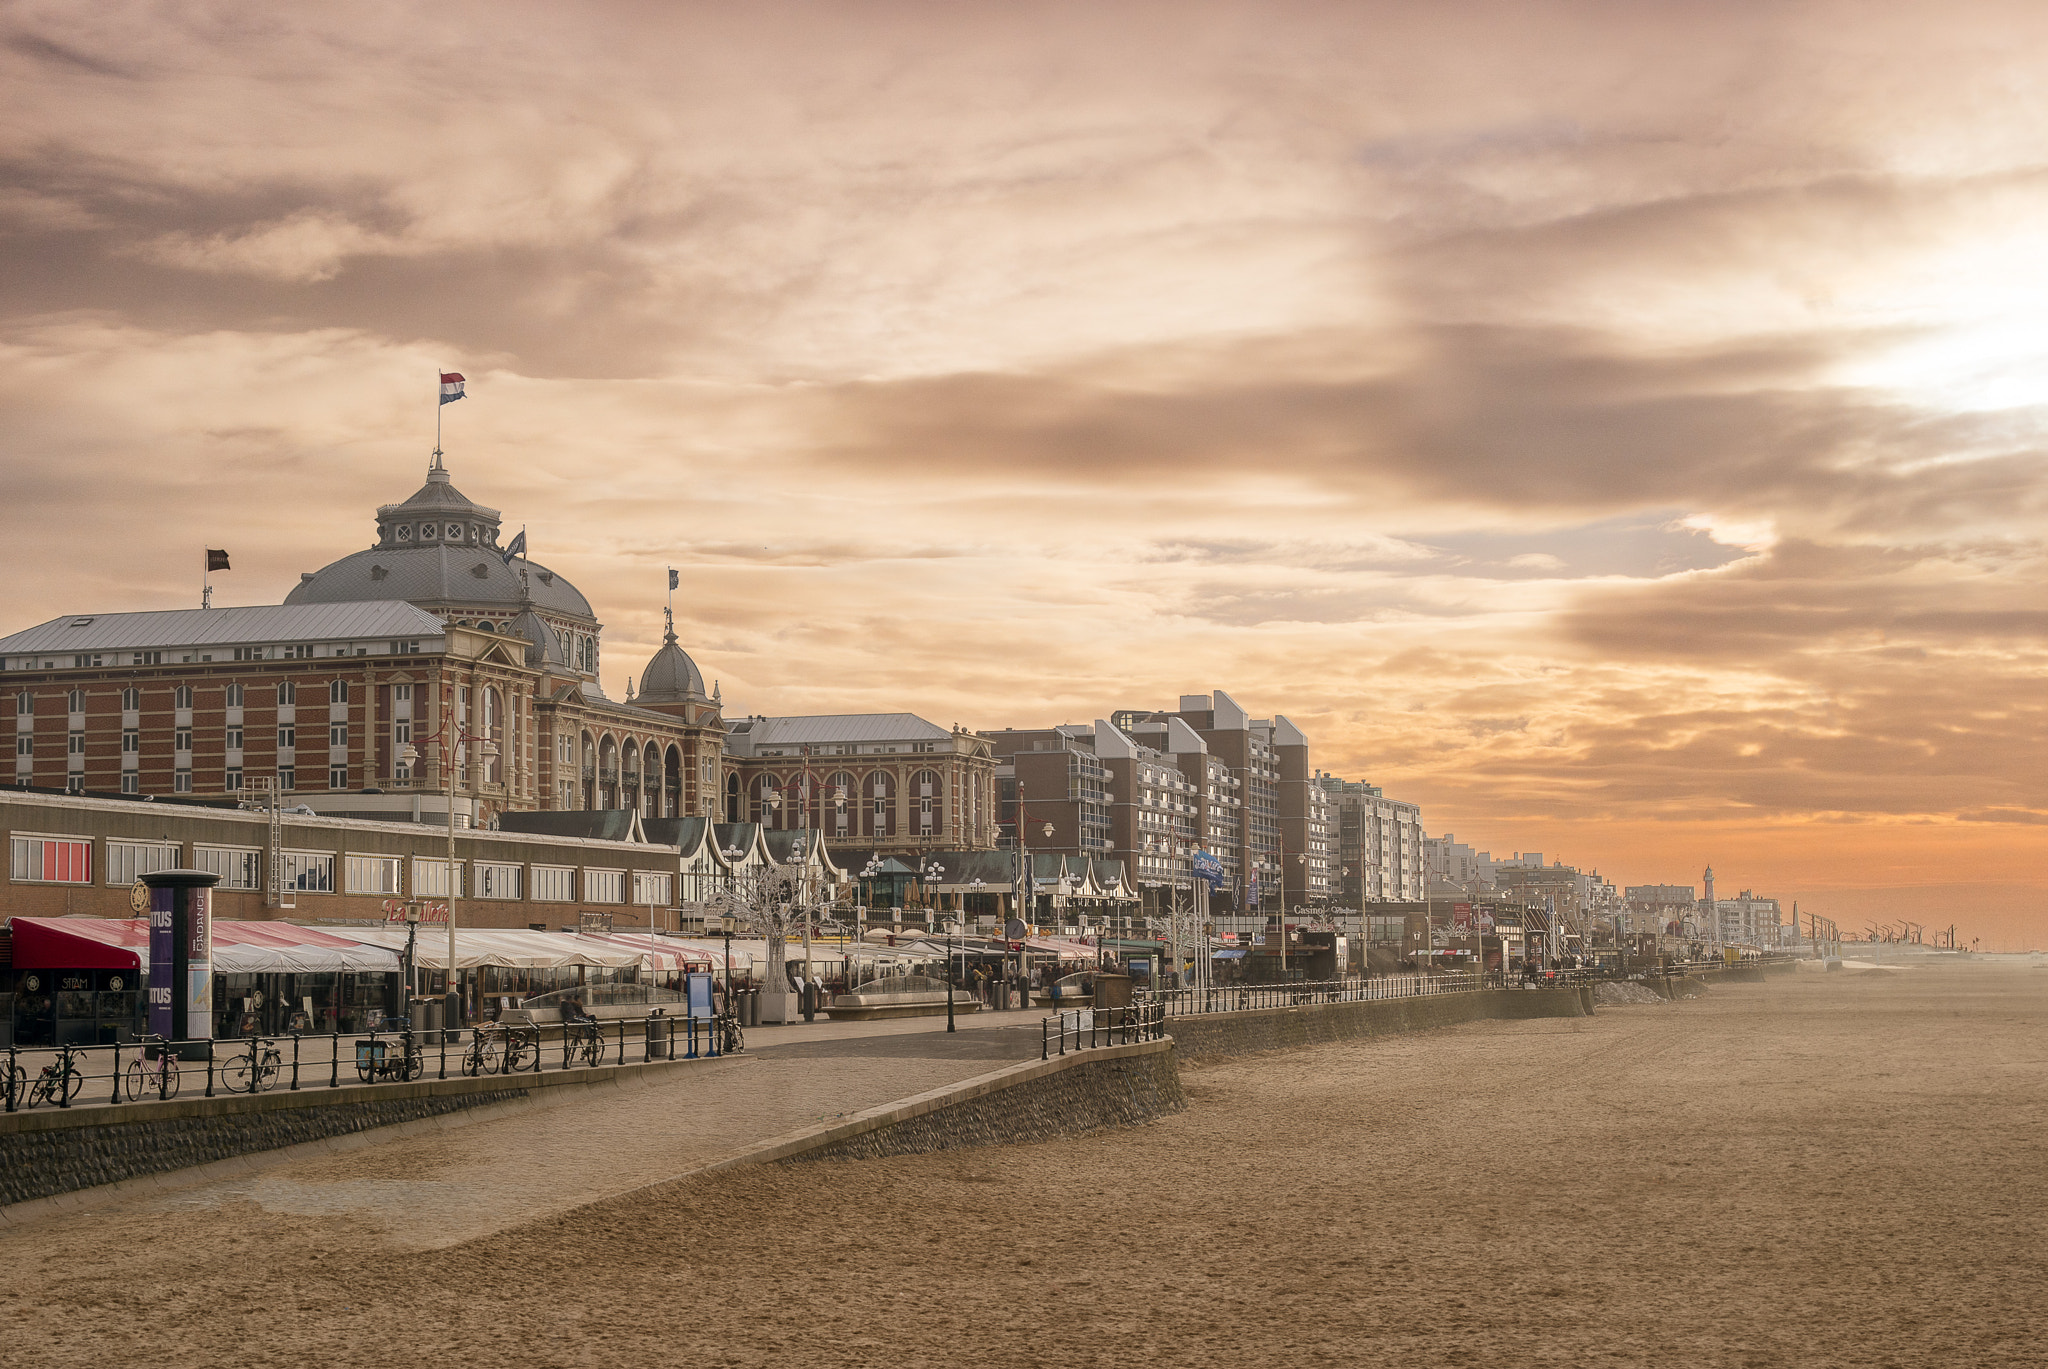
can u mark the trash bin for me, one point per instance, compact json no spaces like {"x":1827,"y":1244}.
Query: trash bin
{"x":657,"y":1036}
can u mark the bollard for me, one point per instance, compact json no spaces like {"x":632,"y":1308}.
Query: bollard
{"x":209,"y":1067}
{"x":64,"y":1077}
{"x":13,"y":1077}
{"x":622,"y":1041}
{"x":117,"y":1074}
{"x":334,"y":1065}
{"x":295,"y":1064}
{"x":444,"y":1052}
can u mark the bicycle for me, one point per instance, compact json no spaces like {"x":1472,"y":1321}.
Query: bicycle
{"x":160,"y":1078}
{"x":484,"y":1052}
{"x":14,"y":1079}
{"x":731,"y":1039}
{"x":580,"y":1040}
{"x":254,"y":1070}
{"x":522,"y":1049}
{"x":60,"y":1081}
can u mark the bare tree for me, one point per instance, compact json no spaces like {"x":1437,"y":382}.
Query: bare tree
{"x":770,"y":901}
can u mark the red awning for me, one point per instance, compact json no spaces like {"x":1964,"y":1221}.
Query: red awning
{"x":80,"y":943}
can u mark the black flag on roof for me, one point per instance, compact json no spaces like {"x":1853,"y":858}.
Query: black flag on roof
{"x":216,"y":560}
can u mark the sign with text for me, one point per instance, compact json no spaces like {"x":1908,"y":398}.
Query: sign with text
{"x":594,"y":924}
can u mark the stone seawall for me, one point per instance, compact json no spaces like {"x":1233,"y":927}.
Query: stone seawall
{"x":1313,"y":1024}
{"x":47,"y":1152}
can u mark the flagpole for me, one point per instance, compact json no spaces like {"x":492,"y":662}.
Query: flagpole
{"x":205,"y":579}
{"x":438,"y":406}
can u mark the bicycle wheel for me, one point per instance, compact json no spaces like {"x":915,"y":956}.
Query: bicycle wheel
{"x":234,"y":1075}
{"x":487,"y":1055}
{"x":73,"y":1082}
{"x":138,"y":1079}
{"x":16,"y":1081}
{"x":413,"y":1067}
{"x":266,"y":1077}
{"x":169,"y":1081}
{"x":39,"y":1091}
{"x":521,"y":1052}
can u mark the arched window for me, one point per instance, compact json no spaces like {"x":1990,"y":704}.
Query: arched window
{"x":929,"y":794}
{"x":768,"y":804}
{"x":841,"y":801}
{"x":650,"y":783}
{"x":878,"y":805}
{"x":337,"y":691}
{"x":672,"y":783}
{"x":494,"y":728}
{"x":589,"y":766}
{"x":732,"y":798}
{"x":607,"y":773}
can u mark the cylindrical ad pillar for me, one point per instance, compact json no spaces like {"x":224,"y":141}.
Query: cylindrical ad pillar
{"x":181,"y":956}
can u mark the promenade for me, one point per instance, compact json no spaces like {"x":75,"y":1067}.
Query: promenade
{"x":471,"y":1174}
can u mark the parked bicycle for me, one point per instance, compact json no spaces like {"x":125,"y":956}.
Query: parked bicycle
{"x":522,"y":1049}
{"x":159,"y":1077}
{"x":59,"y":1082}
{"x":731,"y":1038}
{"x":376,"y":1060}
{"x":486,"y":1051}
{"x":14,"y":1079}
{"x":581,"y":1042}
{"x":254,"y":1070}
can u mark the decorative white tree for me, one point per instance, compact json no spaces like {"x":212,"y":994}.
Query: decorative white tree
{"x":771,"y":901}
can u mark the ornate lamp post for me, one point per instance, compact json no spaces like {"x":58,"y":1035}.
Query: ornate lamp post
{"x":486,"y":752}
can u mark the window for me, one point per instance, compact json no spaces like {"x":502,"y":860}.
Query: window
{"x":24,"y":703}
{"x":74,"y":744}
{"x":287,"y":777}
{"x":337,"y":690}
{"x":652,"y":888}
{"x":430,"y":878}
{"x":287,"y":736}
{"x":401,"y":732}
{"x":604,"y":886}
{"x":554,"y":884}
{"x":182,"y":697}
{"x":250,"y":653}
{"x":181,"y":782}
{"x":234,"y":695}
{"x":181,"y":739}
{"x":239,"y":867}
{"x":131,"y":783}
{"x":147,"y":658}
{"x":233,"y":779}
{"x":24,"y":744}
{"x":235,"y":738}
{"x":337,"y":777}
{"x":497,"y":880}
{"x":52,"y":860}
{"x":131,"y":700}
{"x":74,"y":783}
{"x":337,"y":734}
{"x":76,"y":698}
{"x":287,"y":693}
{"x":309,"y":871}
{"x":375,"y":874}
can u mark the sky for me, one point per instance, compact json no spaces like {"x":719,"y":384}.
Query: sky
{"x":1617,"y":428}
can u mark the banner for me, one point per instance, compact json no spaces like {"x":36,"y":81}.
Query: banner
{"x":1209,"y":866}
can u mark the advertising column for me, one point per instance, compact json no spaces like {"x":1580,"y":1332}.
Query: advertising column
{"x":181,"y":956}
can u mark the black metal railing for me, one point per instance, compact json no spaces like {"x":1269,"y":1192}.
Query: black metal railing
{"x":152,"y":1069}
{"x":1084,"y":1028}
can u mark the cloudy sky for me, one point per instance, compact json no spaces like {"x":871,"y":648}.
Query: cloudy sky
{"x":1616,"y":427}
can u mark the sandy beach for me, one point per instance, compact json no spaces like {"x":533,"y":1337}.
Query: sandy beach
{"x":1824,"y":1169}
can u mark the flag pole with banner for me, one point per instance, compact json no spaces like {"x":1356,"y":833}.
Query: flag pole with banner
{"x":215,"y":560}
{"x":451,"y":390}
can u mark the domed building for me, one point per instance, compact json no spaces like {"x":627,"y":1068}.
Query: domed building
{"x":439,"y":551}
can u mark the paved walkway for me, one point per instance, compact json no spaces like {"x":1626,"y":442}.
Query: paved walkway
{"x":435,"y":1188}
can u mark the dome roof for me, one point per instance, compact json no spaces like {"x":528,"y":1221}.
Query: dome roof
{"x":439,"y":575}
{"x":439,"y":547}
{"x":671,"y":676}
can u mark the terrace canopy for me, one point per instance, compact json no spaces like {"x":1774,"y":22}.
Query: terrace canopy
{"x":91,"y":943}
{"x":476,"y":948}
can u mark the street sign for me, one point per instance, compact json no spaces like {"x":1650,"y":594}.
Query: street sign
{"x":594,"y":924}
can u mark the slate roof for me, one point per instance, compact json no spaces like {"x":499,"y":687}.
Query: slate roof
{"x":602,"y":824}
{"x":827,"y":728}
{"x":224,"y":627}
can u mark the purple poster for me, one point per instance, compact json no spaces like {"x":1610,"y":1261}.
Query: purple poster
{"x":163,"y":961}
{"x":198,"y":965}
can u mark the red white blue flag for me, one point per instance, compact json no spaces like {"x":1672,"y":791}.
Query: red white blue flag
{"x":451,"y":387}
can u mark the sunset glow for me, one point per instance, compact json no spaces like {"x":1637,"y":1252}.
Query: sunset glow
{"x":1616,"y":428}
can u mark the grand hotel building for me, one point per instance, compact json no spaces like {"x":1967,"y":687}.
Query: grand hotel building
{"x":432,"y":642}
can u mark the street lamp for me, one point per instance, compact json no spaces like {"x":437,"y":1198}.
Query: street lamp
{"x":486,"y":752}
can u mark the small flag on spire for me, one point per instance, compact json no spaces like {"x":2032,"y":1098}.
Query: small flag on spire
{"x":451,"y":387}
{"x":671,"y":577}
{"x":517,"y":547}
{"x":216,"y":560}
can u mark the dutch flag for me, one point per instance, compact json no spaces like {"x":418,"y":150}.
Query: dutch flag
{"x":451,"y":387}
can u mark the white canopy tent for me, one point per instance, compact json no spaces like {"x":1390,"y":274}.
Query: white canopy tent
{"x":511,"y":950}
